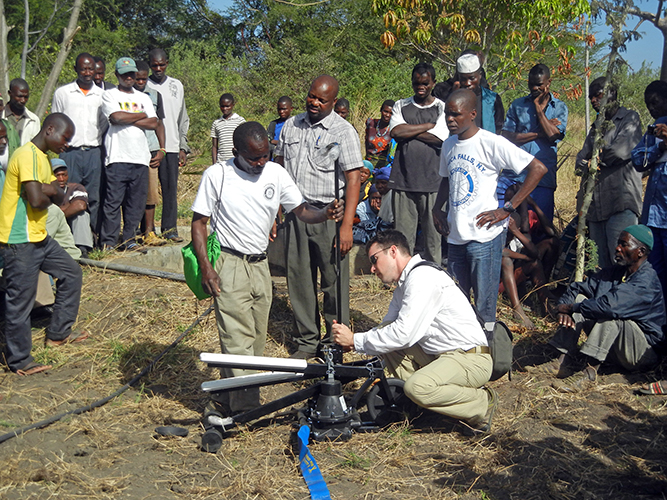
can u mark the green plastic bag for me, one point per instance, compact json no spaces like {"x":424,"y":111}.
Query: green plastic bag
{"x":191,"y":268}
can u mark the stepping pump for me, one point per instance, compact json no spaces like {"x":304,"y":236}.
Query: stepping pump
{"x":330,"y":414}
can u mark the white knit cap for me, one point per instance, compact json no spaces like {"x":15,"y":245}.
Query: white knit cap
{"x":468,"y":63}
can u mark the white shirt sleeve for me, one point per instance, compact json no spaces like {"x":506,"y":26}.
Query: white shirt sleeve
{"x":440,"y":130}
{"x":396,"y":115}
{"x":57,"y":105}
{"x":512,"y":157}
{"x":290,"y":196}
{"x":207,"y":194}
{"x":410,"y":317}
{"x":444,"y":156}
{"x":109,"y":104}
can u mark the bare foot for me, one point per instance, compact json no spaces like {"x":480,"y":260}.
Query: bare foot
{"x":521,"y":316}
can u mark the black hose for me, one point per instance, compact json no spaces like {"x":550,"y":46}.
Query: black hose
{"x":132,"y":269}
{"x":96,"y":404}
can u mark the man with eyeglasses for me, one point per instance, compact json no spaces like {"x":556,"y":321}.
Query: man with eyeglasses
{"x":430,"y":337}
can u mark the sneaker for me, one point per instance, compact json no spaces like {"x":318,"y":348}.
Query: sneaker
{"x":578,"y":382}
{"x":151,"y":239}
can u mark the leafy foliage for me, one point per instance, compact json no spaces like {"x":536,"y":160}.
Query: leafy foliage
{"x":511,"y":35}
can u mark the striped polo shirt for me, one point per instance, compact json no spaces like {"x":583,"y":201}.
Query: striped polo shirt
{"x":224,"y":131}
{"x":19,"y":221}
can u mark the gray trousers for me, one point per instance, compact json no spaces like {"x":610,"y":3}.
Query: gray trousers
{"x":85,"y":167}
{"x":411,"y":209}
{"x":622,"y":337}
{"x":605,"y":234}
{"x":309,"y":248}
{"x":80,"y":225}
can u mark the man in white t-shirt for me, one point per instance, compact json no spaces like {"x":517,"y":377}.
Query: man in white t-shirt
{"x":470,"y":162}
{"x":241,"y":197}
{"x":176,"y":125}
{"x":130,"y":113}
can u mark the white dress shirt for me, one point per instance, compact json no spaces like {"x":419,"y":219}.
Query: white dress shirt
{"x":85,"y":110}
{"x":428,"y":309}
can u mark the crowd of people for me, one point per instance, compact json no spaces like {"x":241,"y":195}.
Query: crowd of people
{"x":447,"y":180}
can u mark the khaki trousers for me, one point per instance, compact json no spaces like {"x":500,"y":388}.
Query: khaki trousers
{"x":242,"y":314}
{"x":449,"y":384}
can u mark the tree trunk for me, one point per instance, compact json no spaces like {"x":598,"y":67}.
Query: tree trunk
{"x":601,"y":126}
{"x":26,"y":38}
{"x":65,"y":47}
{"x":4,"y":58}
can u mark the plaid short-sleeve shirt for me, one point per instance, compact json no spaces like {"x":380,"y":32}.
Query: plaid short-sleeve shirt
{"x":313,"y":151}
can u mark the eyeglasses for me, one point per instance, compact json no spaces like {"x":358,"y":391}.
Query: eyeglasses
{"x":373,"y":258}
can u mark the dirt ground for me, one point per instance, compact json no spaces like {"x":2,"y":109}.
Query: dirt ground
{"x":603,"y":443}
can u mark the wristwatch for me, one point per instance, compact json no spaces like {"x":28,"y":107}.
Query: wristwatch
{"x":508,"y":207}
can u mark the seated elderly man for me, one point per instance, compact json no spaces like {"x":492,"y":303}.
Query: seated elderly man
{"x":75,"y":208}
{"x":430,"y":336}
{"x":620,"y":308}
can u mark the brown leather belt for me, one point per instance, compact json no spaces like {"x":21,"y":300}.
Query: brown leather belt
{"x":479,"y":349}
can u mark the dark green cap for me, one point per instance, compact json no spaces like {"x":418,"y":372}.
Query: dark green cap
{"x":642,"y":234}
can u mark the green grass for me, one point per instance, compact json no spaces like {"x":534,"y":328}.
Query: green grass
{"x":98,"y":254}
{"x":355,"y":461}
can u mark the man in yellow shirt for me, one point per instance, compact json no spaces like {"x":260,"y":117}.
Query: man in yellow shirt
{"x":30,"y":187}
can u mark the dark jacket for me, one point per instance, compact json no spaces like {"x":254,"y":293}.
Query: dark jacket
{"x":638,"y":298}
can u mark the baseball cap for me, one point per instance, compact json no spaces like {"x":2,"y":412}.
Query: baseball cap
{"x":125,"y":65}
{"x":57,"y":163}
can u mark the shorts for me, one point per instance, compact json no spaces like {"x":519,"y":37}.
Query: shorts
{"x":153,"y":197}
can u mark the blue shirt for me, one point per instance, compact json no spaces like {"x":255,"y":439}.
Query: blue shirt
{"x":522,"y":119}
{"x":279,"y":127}
{"x":648,"y":156}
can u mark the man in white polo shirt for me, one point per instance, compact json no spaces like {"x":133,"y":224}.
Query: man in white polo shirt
{"x":241,"y":196}
{"x":81,"y":100}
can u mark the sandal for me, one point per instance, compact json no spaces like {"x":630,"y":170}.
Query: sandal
{"x":653,"y":389}
{"x":578,"y":382}
{"x":72,"y":338}
{"x":32,"y":368}
{"x":553,"y":368}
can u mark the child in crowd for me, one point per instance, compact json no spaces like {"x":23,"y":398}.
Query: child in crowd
{"x":223,"y":128}
{"x":525,"y":260}
{"x":378,"y":140}
{"x":381,"y":176}
{"x":365,"y":173}
{"x":367,"y":223}
{"x":342,"y":108}
{"x":284,"y":108}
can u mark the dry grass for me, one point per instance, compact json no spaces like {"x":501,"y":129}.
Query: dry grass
{"x":604,"y":443}
{"x":545,"y":444}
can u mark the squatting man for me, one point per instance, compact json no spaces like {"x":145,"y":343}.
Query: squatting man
{"x":430,"y":336}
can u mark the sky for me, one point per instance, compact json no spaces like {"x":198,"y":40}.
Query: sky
{"x":648,"y":48}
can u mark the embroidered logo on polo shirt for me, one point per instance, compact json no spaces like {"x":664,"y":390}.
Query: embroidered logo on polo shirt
{"x":269,"y":191}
